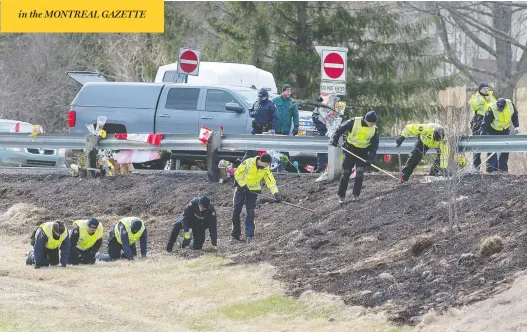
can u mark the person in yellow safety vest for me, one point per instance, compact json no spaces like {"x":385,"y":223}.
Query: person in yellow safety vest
{"x":46,"y":241}
{"x":122,"y":238}
{"x":248,"y":177}
{"x":429,"y":136}
{"x":85,"y":240}
{"x":363,"y":141}
{"x":498,"y":120}
{"x":479,"y":104}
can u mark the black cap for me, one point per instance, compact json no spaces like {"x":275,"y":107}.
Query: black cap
{"x":59,"y":227}
{"x":204,"y":201}
{"x":136,"y":225}
{"x":285,"y":87}
{"x":266,"y":158}
{"x":93,"y":223}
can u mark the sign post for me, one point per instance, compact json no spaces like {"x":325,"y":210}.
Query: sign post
{"x":333,"y":68}
{"x":188,"y":62}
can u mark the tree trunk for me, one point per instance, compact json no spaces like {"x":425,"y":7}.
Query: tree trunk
{"x":303,"y":45}
{"x":502,"y":20}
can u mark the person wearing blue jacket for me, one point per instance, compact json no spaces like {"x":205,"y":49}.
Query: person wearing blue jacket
{"x":199,"y":215}
{"x":122,"y":238}
{"x":264,"y":113}
{"x":265,"y":117}
{"x":46,"y":240}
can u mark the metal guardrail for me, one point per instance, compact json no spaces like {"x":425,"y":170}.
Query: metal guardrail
{"x":311,"y":144}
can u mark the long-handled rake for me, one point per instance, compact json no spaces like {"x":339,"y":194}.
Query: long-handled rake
{"x":377,"y":168}
{"x":287,"y":203}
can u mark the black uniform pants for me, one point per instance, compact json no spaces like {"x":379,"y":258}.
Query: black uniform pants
{"x":50,"y":257}
{"x":198,"y":234}
{"x":416,"y":156}
{"x":78,"y":256}
{"x":115,"y":249}
{"x":347,"y":166}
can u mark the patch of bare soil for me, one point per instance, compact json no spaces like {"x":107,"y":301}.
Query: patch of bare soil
{"x":392,"y":250}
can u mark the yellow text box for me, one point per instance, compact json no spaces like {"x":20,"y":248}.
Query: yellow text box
{"x":32,"y":16}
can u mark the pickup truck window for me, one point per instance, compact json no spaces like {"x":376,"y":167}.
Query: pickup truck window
{"x":185,"y":99}
{"x":216,"y":100}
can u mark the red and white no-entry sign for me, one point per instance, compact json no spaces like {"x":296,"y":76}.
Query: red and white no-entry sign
{"x":333,"y":65}
{"x":188,"y":61}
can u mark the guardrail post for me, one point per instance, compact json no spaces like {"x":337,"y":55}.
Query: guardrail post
{"x":334,"y":163}
{"x":91,"y":153}
{"x":214,"y":143}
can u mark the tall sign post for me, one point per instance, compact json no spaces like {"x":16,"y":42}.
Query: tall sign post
{"x":333,"y":72}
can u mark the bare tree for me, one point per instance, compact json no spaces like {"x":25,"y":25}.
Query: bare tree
{"x":494,"y":31}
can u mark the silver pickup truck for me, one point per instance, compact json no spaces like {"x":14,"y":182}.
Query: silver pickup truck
{"x":164,"y":108}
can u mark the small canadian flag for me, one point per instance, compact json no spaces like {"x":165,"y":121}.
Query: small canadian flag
{"x":204,"y":134}
{"x":16,"y":128}
{"x":154,"y":139}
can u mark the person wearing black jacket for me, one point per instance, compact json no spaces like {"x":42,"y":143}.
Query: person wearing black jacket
{"x":498,"y":120}
{"x":123,"y":236}
{"x":199,"y":215}
{"x":363,"y":141}
{"x":85,"y":240}
{"x":46,"y":240}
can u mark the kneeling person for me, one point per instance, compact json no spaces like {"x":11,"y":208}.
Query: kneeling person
{"x":85,"y":240}
{"x":123,"y":236}
{"x":199,"y":215}
{"x":46,"y":240}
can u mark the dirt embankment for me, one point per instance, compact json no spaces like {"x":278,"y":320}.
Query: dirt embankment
{"x":392,"y":250}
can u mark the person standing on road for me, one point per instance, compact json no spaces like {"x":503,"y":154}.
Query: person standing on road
{"x":479,"y":104}
{"x":429,"y":136}
{"x":46,"y":240}
{"x":248,"y":177}
{"x":362,"y":140}
{"x":85,"y":240}
{"x":265,"y":117}
{"x":122,"y":238}
{"x":199,"y":215}
{"x":288,"y":114}
{"x":498,"y":120}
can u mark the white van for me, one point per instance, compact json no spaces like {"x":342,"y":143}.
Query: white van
{"x":220,"y":73}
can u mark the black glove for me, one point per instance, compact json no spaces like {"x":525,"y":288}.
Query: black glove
{"x":400,"y":140}
{"x":334,"y":142}
{"x":277,"y":197}
{"x":295,"y":131}
{"x":371,"y":158}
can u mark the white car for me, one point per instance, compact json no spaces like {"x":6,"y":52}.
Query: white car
{"x":28,"y":157}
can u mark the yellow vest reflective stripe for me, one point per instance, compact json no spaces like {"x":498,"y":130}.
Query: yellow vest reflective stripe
{"x":86,"y":241}
{"x":502,"y":120}
{"x":360,"y":135}
{"x":480,"y":104}
{"x":252,"y":176}
{"x":127,"y":223}
{"x":47,"y":228}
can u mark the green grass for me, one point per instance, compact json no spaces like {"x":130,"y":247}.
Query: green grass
{"x":284,"y":306}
